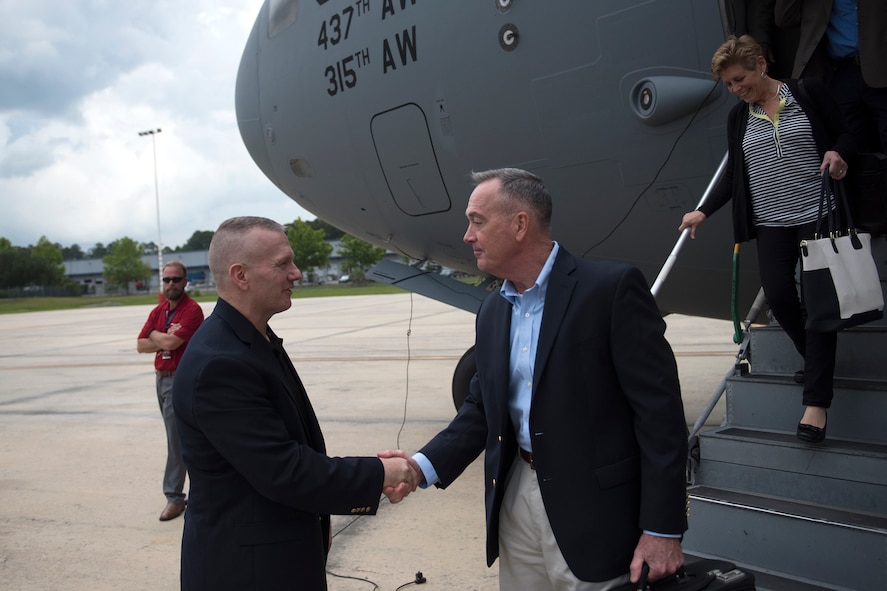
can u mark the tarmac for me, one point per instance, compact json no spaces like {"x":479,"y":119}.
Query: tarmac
{"x":82,"y":447}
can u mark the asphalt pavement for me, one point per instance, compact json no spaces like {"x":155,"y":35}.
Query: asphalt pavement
{"x":82,"y":446}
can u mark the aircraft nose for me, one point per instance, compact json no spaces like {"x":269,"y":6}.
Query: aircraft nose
{"x":248,"y":107}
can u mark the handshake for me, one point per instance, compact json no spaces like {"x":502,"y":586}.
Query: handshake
{"x":402,"y":474}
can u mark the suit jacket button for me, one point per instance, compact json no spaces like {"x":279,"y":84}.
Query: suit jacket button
{"x":494,"y":483}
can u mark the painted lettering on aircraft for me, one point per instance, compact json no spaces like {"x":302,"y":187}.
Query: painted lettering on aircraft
{"x":343,"y":74}
{"x":388,"y":6}
{"x":335,"y":29}
{"x":406,"y":50}
{"x":398,"y":50}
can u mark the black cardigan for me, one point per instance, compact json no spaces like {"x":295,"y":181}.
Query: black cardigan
{"x":829,"y":133}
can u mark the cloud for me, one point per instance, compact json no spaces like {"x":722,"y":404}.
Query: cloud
{"x":79,"y":79}
{"x":56,"y":53}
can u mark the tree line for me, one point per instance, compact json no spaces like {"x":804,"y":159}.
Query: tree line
{"x":199,"y":240}
{"x":43,"y":264}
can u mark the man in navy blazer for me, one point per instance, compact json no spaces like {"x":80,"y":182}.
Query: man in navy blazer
{"x":262,"y":486}
{"x":576,"y":404}
{"x":844,"y":43}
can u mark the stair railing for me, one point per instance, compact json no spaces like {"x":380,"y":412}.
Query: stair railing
{"x":738,"y":366}
{"x":740,"y":335}
{"x":685,"y":235}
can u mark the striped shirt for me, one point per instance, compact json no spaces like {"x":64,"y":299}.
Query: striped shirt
{"x":782,"y":164}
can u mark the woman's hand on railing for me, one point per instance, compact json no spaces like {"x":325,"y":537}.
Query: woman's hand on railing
{"x":692,"y":220}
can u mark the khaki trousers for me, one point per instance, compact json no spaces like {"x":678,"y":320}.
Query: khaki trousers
{"x":529,"y":557}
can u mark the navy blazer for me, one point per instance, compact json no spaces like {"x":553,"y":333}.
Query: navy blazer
{"x":606,"y":419}
{"x":811,"y":59}
{"x":262,"y":487}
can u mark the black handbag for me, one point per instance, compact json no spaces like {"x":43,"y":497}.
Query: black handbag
{"x":839,"y":279}
{"x":705,"y":574}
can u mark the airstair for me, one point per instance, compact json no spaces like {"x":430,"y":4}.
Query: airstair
{"x":800,"y":516}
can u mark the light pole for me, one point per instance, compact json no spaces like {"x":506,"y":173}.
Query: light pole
{"x":152,"y":132}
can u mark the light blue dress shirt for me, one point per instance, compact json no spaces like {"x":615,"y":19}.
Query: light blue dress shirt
{"x":526,"y":320}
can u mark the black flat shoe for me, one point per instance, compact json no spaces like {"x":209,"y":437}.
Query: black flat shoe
{"x":810,"y":434}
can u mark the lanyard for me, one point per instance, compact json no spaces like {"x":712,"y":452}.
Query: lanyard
{"x":169,"y":318}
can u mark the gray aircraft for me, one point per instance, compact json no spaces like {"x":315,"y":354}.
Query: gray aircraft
{"x":371,"y":113}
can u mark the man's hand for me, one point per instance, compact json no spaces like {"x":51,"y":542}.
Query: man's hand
{"x":663,"y":555}
{"x":401,"y":484}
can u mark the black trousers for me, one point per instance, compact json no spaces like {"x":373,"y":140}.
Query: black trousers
{"x":864,"y":107}
{"x":778,"y":256}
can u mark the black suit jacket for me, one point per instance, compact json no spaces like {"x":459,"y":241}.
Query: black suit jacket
{"x":262,"y":487}
{"x":813,"y":17}
{"x":606,"y":419}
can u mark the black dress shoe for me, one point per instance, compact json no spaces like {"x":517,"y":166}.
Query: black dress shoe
{"x":799,"y":376}
{"x":810,"y":434}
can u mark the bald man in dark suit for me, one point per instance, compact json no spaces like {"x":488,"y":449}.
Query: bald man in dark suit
{"x":262,"y":486}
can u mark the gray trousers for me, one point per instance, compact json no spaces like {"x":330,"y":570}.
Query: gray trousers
{"x":174,"y":474}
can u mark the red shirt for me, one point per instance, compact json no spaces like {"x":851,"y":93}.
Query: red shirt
{"x":188,"y":313}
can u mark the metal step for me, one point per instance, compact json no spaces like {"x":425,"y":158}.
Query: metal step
{"x":842,"y":474}
{"x":799,"y":516}
{"x":858,"y":412}
{"x":804,"y":542}
{"x":859,"y":355}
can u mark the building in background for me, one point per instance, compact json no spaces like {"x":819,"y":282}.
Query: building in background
{"x":88,"y":273}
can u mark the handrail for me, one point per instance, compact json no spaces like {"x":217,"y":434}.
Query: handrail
{"x":753,"y":312}
{"x":670,"y":261}
{"x":738,"y":334}
{"x":741,"y":355}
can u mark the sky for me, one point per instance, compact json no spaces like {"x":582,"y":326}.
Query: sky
{"x":79,"y":79}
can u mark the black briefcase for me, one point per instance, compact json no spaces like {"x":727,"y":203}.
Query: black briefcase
{"x":705,"y":574}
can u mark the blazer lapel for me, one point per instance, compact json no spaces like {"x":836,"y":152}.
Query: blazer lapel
{"x":502,"y":328}
{"x":557,"y":297}
{"x":264,"y":351}
{"x":292,"y":383}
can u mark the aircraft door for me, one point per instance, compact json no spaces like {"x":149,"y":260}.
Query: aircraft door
{"x":406,"y":155}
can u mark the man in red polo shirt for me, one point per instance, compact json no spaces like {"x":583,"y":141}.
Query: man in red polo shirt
{"x":169,"y":327}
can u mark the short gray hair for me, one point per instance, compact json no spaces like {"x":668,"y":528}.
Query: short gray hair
{"x":524,"y":190}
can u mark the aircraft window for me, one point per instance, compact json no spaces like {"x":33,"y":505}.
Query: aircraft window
{"x":281,"y":14}
{"x":301,"y":167}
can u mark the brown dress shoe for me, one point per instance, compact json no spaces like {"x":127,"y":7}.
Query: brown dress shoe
{"x":171,"y":511}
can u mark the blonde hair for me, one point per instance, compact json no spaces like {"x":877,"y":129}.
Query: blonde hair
{"x":743,"y":51}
